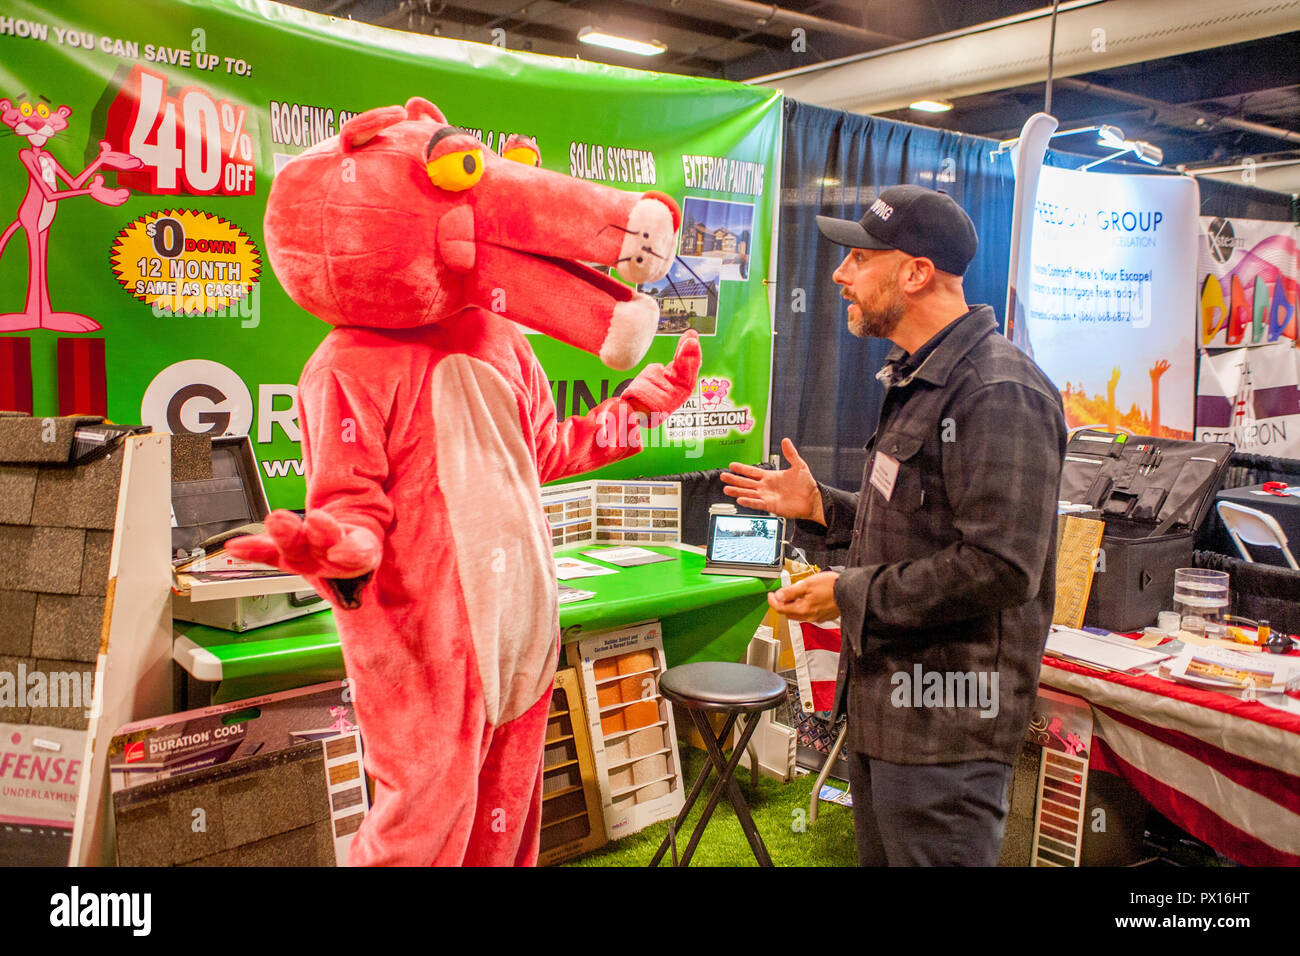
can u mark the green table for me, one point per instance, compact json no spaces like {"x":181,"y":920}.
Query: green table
{"x":264,"y":660}
{"x":704,"y":617}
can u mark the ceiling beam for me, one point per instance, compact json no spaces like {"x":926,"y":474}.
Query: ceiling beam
{"x":1000,"y":54}
{"x":633,"y":11}
{"x":1198,"y":117}
{"x":770,"y":13}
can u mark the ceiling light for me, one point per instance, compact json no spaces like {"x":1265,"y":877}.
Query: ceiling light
{"x":931,"y":106}
{"x":615,"y":42}
{"x":1111,"y":136}
{"x":1148,"y":153}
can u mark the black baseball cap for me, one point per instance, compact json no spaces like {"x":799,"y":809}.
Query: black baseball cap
{"x":915,"y":220}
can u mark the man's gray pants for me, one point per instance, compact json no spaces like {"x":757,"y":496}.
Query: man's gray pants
{"x":949,"y":814}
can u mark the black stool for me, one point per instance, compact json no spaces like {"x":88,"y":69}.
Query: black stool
{"x":732,"y":689}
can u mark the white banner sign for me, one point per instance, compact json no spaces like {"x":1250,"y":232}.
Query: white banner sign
{"x":1246,"y":274}
{"x":1113,"y":281}
{"x":1250,"y":398}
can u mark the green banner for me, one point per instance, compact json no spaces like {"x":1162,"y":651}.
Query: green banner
{"x":142,"y":142}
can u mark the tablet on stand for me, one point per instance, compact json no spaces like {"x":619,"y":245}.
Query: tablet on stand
{"x":749,"y":545}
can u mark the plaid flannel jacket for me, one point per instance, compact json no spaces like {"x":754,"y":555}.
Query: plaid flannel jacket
{"x":951,"y":576}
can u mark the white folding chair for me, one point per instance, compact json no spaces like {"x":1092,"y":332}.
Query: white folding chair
{"x":1254,"y":527}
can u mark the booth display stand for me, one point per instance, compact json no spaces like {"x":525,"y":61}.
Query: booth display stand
{"x":269,"y":781}
{"x":83,"y":552}
{"x":634,"y":738}
{"x":572,"y":820}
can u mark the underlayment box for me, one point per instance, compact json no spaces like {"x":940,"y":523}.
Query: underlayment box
{"x":633,"y":736}
{"x":85,"y":629}
{"x":216,"y":489}
{"x":269,"y":781}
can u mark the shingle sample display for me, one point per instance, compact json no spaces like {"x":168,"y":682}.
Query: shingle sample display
{"x":62,"y":623}
{"x":17,"y":490}
{"x":81,"y":496}
{"x":191,"y":457}
{"x":17,"y":613}
{"x":56,"y":537}
{"x":270,"y":810}
{"x":28,"y":440}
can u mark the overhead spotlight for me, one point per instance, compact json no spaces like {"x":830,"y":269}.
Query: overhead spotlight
{"x":615,"y":42}
{"x":930,"y":106}
{"x":1111,"y":136}
{"x":1148,"y":153}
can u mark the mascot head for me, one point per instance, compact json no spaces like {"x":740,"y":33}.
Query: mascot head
{"x":402,"y":220}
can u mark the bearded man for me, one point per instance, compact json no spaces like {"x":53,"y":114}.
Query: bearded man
{"x":946,"y":602}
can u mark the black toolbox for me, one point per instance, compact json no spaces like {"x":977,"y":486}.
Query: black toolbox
{"x":1153,"y":495}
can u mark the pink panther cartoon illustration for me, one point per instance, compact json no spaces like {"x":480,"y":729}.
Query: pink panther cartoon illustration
{"x":39,"y":124}
{"x":713,"y":391}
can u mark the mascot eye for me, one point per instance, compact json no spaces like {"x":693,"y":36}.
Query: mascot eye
{"x":42,"y":111}
{"x":456,"y":171}
{"x":522,"y":154}
{"x":26,"y":109}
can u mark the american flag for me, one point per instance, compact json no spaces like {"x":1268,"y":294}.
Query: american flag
{"x":817,"y":661}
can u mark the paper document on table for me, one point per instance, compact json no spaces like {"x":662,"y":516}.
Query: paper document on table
{"x":566,"y":569}
{"x":570,"y":594}
{"x":1099,"y":651}
{"x":627,"y":557}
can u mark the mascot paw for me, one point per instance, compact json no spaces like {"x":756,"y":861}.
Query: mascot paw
{"x":318,"y":545}
{"x":109,"y":197}
{"x":663,"y":389}
{"x":112,"y":159}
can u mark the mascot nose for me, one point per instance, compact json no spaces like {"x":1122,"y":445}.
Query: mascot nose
{"x":648,"y":248}
{"x":670,"y":203}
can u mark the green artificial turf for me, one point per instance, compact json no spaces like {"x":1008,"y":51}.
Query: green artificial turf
{"x":780,"y":812}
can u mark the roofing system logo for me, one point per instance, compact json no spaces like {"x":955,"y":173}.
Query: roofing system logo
{"x":198,"y":397}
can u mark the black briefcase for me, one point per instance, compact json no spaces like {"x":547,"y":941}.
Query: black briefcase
{"x":1153,"y":495}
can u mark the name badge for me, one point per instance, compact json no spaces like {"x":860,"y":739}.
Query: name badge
{"x":884,"y":472}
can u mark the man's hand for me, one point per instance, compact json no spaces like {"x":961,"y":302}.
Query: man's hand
{"x":812,"y":599}
{"x":790,"y":492}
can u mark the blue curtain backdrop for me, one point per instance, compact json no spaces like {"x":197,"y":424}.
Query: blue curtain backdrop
{"x":824,"y":393}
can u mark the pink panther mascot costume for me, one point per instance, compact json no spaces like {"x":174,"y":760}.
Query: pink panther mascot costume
{"x":428,"y":428}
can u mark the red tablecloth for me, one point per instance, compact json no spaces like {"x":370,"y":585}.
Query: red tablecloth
{"x":1225,"y":770}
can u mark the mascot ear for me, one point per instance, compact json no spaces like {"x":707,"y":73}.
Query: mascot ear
{"x":522,"y":149}
{"x":417,"y":107}
{"x":366,"y":126}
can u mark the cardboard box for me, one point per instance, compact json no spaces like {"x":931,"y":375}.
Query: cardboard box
{"x":269,"y":781}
